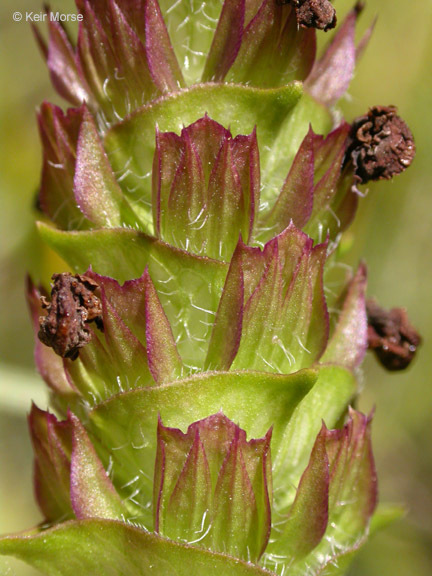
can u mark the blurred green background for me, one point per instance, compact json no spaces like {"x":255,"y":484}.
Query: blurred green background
{"x":393,"y":233}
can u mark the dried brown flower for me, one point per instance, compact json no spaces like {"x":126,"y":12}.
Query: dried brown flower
{"x":73,"y":305}
{"x":318,"y":14}
{"x":391,"y":336}
{"x":381,"y":146}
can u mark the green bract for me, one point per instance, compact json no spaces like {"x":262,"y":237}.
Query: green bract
{"x":198,"y":190}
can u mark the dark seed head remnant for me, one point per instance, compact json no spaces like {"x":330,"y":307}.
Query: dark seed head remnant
{"x":318,"y":14}
{"x":391,"y":336}
{"x":73,"y":306}
{"x":381,"y":145}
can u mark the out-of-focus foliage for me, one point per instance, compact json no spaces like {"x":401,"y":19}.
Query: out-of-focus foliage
{"x":393,"y":233}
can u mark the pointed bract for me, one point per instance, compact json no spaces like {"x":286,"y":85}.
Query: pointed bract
{"x":226,"y":41}
{"x":273,"y":50}
{"x":164,"y":361}
{"x":353,"y":487}
{"x":295,"y":201}
{"x":332,"y":73}
{"x":187,"y":515}
{"x":61,"y":61}
{"x":163,"y":65}
{"x":116,"y":65}
{"x":334,"y":203}
{"x":227,"y":327}
{"x":349,"y":341}
{"x":97,"y":63}
{"x":335,"y":500}
{"x":213,"y":472}
{"x":308,"y":515}
{"x":283,"y":320}
{"x":95,"y":185}
{"x":59,"y":135}
{"x":213,"y":195}
{"x":52,"y":445}
{"x":91,"y":491}
{"x":317,"y":193}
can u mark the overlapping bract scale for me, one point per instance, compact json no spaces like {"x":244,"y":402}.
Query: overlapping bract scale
{"x":271,"y":316}
{"x":128,"y":53}
{"x":213,"y":489}
{"x":205,"y":185}
{"x":135,"y":349}
{"x":122,"y":59}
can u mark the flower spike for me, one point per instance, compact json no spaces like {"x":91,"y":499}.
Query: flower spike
{"x":199,"y":191}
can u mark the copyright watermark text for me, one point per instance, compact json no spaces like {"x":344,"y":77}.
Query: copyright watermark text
{"x":45,"y":17}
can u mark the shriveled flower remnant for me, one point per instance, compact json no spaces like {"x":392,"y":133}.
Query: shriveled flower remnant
{"x":73,"y":305}
{"x":382,"y":144}
{"x":318,"y":14}
{"x":391,"y":336}
{"x":201,"y":371}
